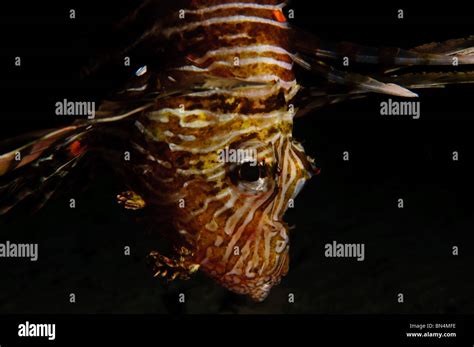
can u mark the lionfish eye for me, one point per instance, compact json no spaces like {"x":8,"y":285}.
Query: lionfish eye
{"x":251,"y":178}
{"x":250,"y":172}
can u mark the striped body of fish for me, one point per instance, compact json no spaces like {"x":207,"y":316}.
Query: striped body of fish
{"x":231,"y":222}
{"x":209,"y":132}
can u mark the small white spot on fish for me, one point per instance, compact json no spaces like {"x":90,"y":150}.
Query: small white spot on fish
{"x":187,"y":137}
{"x":141,"y":71}
{"x":218,"y":241}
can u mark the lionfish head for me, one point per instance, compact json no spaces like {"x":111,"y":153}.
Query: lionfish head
{"x":241,"y":239}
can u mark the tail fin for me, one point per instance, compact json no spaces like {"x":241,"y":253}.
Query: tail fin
{"x":36,"y":169}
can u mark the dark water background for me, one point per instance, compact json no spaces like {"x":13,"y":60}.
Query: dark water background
{"x":407,"y":251}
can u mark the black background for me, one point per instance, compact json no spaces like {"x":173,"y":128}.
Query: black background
{"x":407,"y":250}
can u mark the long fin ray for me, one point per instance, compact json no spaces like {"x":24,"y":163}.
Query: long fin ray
{"x":425,"y":55}
{"x":366,"y":83}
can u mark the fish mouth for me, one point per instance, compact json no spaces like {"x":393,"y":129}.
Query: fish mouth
{"x":257,"y":288}
{"x":260,"y":292}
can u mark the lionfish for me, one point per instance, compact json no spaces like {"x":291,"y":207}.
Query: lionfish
{"x":220,"y":76}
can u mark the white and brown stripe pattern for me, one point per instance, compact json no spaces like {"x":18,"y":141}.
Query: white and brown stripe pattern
{"x":238,"y":234}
